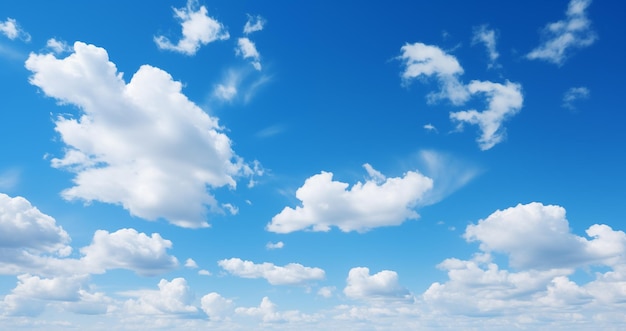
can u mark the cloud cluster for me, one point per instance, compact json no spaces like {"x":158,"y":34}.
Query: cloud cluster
{"x":246,"y":47}
{"x":172,"y":297}
{"x":504,"y":100}
{"x":12,"y":30}
{"x":562,"y":37}
{"x":380,"y":201}
{"x":382,"y":285}
{"x":198,"y":29}
{"x":143,"y":145}
{"x":290,"y":274}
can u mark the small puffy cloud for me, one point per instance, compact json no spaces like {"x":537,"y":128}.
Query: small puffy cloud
{"x":487,"y":37}
{"x":11,"y":29}
{"x":504,"y":101}
{"x":24,"y":227}
{"x":290,"y":274}
{"x":429,"y":127}
{"x":198,"y":29}
{"x":326,"y":291}
{"x":106,"y":146}
{"x":204,"y":272}
{"x":172,"y":298}
{"x":58,"y":46}
{"x":278,"y":245}
{"x":382,"y":285}
{"x":190,"y":263}
{"x":232,"y":209}
{"x":247,"y":50}
{"x":267,"y":312}
{"x":225,"y":92}
{"x":216,"y":306}
{"x":364,"y":206}
{"x":57,"y":288}
{"x":562,"y":37}
{"x":538,"y":236}
{"x":421,"y":60}
{"x":573,"y":94}
{"x":128,"y":249}
{"x":254,"y":23}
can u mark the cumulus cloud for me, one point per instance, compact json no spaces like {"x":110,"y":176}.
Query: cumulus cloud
{"x":364,"y":206}
{"x":129,"y":249}
{"x":487,"y":37}
{"x":24,"y":227}
{"x":216,"y":306}
{"x":107,"y":149}
{"x":58,"y":46}
{"x":278,"y":245}
{"x":538,"y":236}
{"x":423,"y":60}
{"x":198,"y":29}
{"x":247,"y":50}
{"x":326,"y":291}
{"x":190,"y":263}
{"x":290,"y":274}
{"x":504,"y":101}
{"x":573,"y":94}
{"x":382,"y":285}
{"x":172,"y":298}
{"x":564,"y":36}
{"x":254,"y":23}
{"x":268,"y":313}
{"x":12,"y":30}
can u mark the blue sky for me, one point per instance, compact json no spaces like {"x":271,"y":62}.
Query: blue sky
{"x":312,"y":165}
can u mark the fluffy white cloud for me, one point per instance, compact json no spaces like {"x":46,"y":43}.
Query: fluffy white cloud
{"x":504,"y":101}
{"x":198,"y":29}
{"x":58,"y":46}
{"x":190,"y":263}
{"x":216,"y":306}
{"x":382,"y":285}
{"x":247,"y":50}
{"x":278,"y":245}
{"x":486,"y":36}
{"x":423,"y":60}
{"x":24,"y":227}
{"x":268,"y":313}
{"x":254,"y":23}
{"x":11,"y":29}
{"x":326,"y":291}
{"x":563,"y":36}
{"x":364,"y":206}
{"x":107,"y":146}
{"x":538,"y":236}
{"x":128,"y":249}
{"x":172,"y":297}
{"x":573,"y":94}
{"x":290,"y":274}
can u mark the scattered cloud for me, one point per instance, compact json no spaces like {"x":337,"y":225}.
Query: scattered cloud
{"x":423,"y":60}
{"x":573,"y":94}
{"x":430,"y":128}
{"x":290,"y":274}
{"x":239,"y":84}
{"x":562,"y":37}
{"x":449,"y":173}
{"x":326,"y":291}
{"x":254,"y":23}
{"x":233,"y":210}
{"x":382,"y":285}
{"x":271,"y":131}
{"x":267,"y":312}
{"x":12,"y":30}
{"x":190,"y":263}
{"x":487,"y":37}
{"x":216,"y":306}
{"x":364,"y":206}
{"x":172,"y":298}
{"x":204,"y":272}
{"x":58,"y":46}
{"x":247,"y":50}
{"x":198,"y":29}
{"x":504,"y":101}
{"x":152,"y":178}
{"x":278,"y":245}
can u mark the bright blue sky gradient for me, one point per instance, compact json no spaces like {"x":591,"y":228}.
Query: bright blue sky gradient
{"x":432,"y":229}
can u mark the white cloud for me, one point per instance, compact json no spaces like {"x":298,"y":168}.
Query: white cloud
{"x":204,"y":272}
{"x":423,"y":60}
{"x":239,"y":84}
{"x":225,"y":92}
{"x":216,"y":306}
{"x":107,"y":146}
{"x":562,"y":37}
{"x":362,"y":207}
{"x":430,"y":127}
{"x":448,"y":173}
{"x":11,"y":29}
{"x":172,"y":297}
{"x":190,"y":263}
{"x":268,"y":313}
{"x":382,"y":285}
{"x":486,"y":36}
{"x":573,"y":94}
{"x":233,"y":210}
{"x":290,"y":274}
{"x":24,"y":227}
{"x":374,"y":174}
{"x":538,"y":236}
{"x":128,"y":249}
{"x":247,"y":50}
{"x":58,"y":46}
{"x":254,"y":23}
{"x":278,"y":245}
{"x":504,"y":101}
{"x":57,"y":288}
{"x":198,"y":29}
{"x":326,"y":291}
